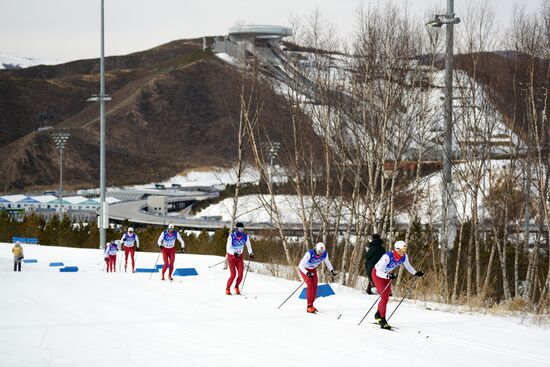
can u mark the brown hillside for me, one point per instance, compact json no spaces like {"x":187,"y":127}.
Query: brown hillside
{"x":506,"y":75}
{"x":174,"y":107}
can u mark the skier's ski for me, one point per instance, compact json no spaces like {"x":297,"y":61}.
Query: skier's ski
{"x":392,"y":328}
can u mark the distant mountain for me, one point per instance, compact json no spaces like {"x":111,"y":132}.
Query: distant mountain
{"x":174,"y":107}
{"x":11,"y":62}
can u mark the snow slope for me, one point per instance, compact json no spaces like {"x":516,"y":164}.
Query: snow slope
{"x":16,"y":62}
{"x":250,"y":209}
{"x":92,"y":318}
{"x":210,"y":177}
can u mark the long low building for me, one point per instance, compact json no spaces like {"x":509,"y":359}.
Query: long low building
{"x":50,"y":202}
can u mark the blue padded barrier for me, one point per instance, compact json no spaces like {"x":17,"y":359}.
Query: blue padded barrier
{"x":324,"y":290}
{"x":182,"y":272}
{"x":30,"y":261}
{"x":69,"y":269}
{"x":57,"y":264}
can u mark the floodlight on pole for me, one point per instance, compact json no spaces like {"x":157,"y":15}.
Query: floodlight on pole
{"x":448,"y":211}
{"x":441,"y":19}
{"x":60,"y":139}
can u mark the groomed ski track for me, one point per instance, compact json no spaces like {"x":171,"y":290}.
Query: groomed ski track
{"x":91,"y":318}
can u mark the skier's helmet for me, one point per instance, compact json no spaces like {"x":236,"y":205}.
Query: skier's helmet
{"x":319,"y":248}
{"x":400,"y":245}
{"x":130,"y":229}
{"x":171,"y":226}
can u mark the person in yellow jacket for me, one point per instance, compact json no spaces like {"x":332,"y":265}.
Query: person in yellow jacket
{"x":17,"y":256}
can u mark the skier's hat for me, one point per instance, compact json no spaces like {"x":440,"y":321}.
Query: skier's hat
{"x":400,"y":245}
{"x":239,"y":225}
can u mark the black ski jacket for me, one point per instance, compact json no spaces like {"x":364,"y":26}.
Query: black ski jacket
{"x":375,"y":252}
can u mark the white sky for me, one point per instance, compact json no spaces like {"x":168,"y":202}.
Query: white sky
{"x":69,"y":29}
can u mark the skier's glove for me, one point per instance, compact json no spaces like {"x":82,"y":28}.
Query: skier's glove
{"x":334,"y":273}
{"x":137,"y":249}
{"x":419,"y":274}
{"x":161,"y":247}
{"x":106,"y":259}
{"x":236,"y":254}
{"x":182,"y":251}
{"x":392,"y":276}
{"x":309,"y":274}
{"x":251,"y":256}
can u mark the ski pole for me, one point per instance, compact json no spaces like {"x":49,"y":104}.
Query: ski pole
{"x":216,"y":264}
{"x":296,"y":290}
{"x":405,"y":295}
{"x":120,"y":262}
{"x":379,"y":296}
{"x":158,"y":257}
{"x":245,"y":273}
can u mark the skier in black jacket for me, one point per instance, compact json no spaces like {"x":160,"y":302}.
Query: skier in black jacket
{"x":375,"y":252}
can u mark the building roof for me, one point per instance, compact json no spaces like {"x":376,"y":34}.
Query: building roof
{"x":44,"y":198}
{"x":75,"y":199}
{"x":90,"y":202}
{"x":111,"y":200}
{"x":29,"y":200}
{"x":57,"y":201}
{"x":14,"y":198}
{"x":260,"y":31}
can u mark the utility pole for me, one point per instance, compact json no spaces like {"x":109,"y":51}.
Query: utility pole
{"x":102,"y":97}
{"x":60,"y":139}
{"x":272,"y":149}
{"x":448,"y":211}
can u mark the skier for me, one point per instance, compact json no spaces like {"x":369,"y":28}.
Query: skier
{"x":17,"y":251}
{"x":374,"y":253}
{"x":128,"y":239}
{"x":109,"y":253}
{"x":308,"y":270}
{"x":234,"y":248}
{"x":382,"y":277}
{"x":167,"y":244}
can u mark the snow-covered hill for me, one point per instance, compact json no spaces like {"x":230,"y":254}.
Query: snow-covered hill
{"x":16,"y":62}
{"x":91,"y":318}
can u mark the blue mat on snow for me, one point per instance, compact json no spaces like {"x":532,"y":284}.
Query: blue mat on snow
{"x":182,"y":272}
{"x":27,"y":261}
{"x":159,"y":266}
{"x":324,"y":290}
{"x":69,"y":269}
{"x":147,"y":270}
{"x":57,"y":264}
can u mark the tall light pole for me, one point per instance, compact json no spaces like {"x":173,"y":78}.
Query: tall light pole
{"x":102,"y":97}
{"x":272,"y":148}
{"x":60,"y":139}
{"x":448,"y":214}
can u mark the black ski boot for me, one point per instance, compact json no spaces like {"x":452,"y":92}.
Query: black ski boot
{"x":377,"y":317}
{"x":384,"y":324}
